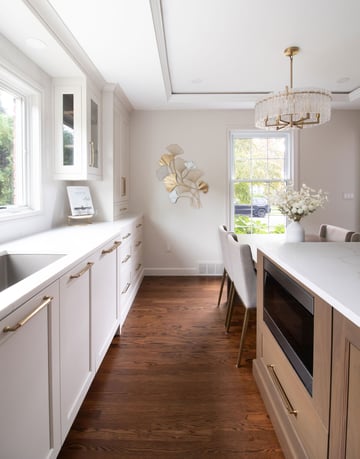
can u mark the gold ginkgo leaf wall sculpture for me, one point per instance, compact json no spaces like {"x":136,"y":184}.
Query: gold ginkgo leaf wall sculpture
{"x":180,"y":176}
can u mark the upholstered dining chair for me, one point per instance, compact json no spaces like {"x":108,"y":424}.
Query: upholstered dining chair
{"x":244,"y":282}
{"x":223,"y":234}
{"x":355,"y":237}
{"x":335,"y":233}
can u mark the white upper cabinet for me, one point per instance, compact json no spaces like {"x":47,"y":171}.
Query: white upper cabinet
{"x":77,"y":130}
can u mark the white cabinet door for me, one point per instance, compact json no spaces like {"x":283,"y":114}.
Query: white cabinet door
{"x":29,"y":379}
{"x":103,"y":300}
{"x":77,"y":130}
{"x":76,"y":360}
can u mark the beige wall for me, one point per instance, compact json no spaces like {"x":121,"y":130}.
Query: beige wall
{"x":178,"y":237}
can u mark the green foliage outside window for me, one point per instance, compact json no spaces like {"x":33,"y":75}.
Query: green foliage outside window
{"x":6,"y":158}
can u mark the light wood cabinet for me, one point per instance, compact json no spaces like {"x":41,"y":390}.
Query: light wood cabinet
{"x":76,"y":358}
{"x":77,"y":130}
{"x":104,"y":311}
{"x":345,"y":400}
{"x":300,"y":418}
{"x":29,"y":379}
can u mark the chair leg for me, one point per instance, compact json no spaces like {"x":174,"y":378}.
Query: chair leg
{"x":230,"y":307}
{"x":243,"y":333}
{"x":224,"y":276}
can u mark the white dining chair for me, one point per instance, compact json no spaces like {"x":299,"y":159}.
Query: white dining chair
{"x":333,"y":233}
{"x":244,"y":283}
{"x":223,"y":234}
{"x":355,"y":237}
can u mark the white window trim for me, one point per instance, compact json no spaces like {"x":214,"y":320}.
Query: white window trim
{"x":33,"y":96}
{"x":293,"y":167}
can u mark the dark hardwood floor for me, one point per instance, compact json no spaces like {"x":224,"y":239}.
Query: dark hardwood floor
{"x":168,"y":387}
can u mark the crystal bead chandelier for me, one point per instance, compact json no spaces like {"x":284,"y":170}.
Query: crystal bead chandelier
{"x":293,"y":108}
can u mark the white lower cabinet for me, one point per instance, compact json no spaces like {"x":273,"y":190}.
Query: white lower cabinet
{"x":104,"y":309}
{"x":29,"y":389}
{"x":52,"y":345}
{"x":76,"y":359}
{"x":124,"y":275}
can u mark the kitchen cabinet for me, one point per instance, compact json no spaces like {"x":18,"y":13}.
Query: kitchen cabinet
{"x":345,"y":401}
{"x":77,"y":130}
{"x":76,"y":357}
{"x":114,"y":198}
{"x":300,"y":416}
{"x":136,"y":250}
{"x":104,"y":311}
{"x":49,"y":360}
{"x":124,"y":273}
{"x":29,"y":379}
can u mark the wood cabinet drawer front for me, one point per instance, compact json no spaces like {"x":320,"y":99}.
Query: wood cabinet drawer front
{"x":306,"y":422}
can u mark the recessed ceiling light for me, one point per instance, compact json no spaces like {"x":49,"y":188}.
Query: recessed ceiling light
{"x":35,"y":43}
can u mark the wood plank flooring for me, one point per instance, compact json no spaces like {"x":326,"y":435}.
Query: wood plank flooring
{"x":168,"y":387}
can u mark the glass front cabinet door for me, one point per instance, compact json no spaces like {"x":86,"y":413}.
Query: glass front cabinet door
{"x":77,"y":127}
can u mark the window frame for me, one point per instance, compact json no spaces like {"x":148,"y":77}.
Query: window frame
{"x":292,"y":168}
{"x":30,"y":161}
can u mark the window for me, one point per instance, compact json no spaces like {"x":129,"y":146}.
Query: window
{"x":261,"y":162}
{"x":19,"y":146}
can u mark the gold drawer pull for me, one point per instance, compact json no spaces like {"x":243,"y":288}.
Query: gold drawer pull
{"x":112,"y":248}
{"x":127,"y":235}
{"x":138,"y":267}
{"x":138,"y":243}
{"x":83,"y":271}
{"x":126,"y":259}
{"x":122,"y":209}
{"x":46,"y":300}
{"x":126,"y":288}
{"x":139,"y":225}
{"x":281,"y":391}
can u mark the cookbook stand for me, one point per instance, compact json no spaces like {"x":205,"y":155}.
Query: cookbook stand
{"x":82,"y":209}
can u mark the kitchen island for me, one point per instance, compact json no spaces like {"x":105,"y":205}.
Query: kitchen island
{"x":314,"y":409}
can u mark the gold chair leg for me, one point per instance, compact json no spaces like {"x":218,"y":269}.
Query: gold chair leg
{"x":230,"y":307}
{"x":224,"y":276}
{"x":243,"y":333}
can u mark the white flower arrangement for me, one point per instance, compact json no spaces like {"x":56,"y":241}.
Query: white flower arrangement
{"x":297,"y":204}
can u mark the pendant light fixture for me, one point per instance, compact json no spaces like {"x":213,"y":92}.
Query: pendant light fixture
{"x":293,"y":108}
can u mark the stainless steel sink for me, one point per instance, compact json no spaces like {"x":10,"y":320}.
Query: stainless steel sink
{"x":16,"y":267}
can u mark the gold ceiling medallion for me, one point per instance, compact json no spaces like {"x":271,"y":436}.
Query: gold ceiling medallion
{"x":293,"y":108}
{"x":181,"y":177}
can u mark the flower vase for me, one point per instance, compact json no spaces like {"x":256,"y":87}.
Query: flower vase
{"x":295,"y":232}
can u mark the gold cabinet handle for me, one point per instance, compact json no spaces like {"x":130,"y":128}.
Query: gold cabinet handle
{"x":92,"y":153}
{"x":112,"y":248}
{"x":138,"y":243}
{"x":126,"y":259}
{"x":138,"y":267}
{"x":45,"y":301}
{"x":282,"y":393}
{"x":126,"y":288}
{"x":127,"y":235}
{"x":83,"y":271}
{"x":139,"y":225}
{"x":122,"y":209}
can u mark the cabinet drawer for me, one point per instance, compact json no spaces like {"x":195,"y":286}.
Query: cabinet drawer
{"x":290,"y":393}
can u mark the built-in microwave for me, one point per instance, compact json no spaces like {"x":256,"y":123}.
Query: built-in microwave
{"x":289,"y":315}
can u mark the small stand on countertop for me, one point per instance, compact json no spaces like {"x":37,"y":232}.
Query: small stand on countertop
{"x":82,"y":209}
{"x":80,"y":219}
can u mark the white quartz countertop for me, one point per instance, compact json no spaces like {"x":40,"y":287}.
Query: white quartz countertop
{"x":330,"y":269}
{"x":74,"y":242}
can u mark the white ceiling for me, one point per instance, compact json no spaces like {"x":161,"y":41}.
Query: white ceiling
{"x":206,"y":53}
